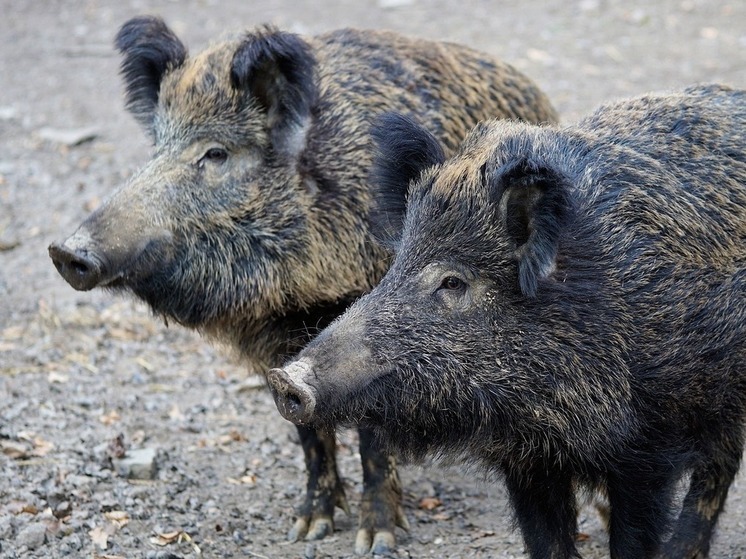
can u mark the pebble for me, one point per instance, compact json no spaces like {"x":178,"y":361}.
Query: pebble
{"x":71,"y":545}
{"x":68,"y":137}
{"x":32,"y":536}
{"x":8,"y":112}
{"x":137,"y":464}
{"x":389,"y":4}
{"x":6,"y":528}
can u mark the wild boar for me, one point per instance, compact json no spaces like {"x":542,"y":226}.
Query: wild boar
{"x":250,"y":224}
{"x":566,"y":306}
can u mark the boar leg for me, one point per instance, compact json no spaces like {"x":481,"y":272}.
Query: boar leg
{"x":546,"y":511}
{"x":324,"y":491}
{"x":380,"y":509}
{"x":640,"y":505}
{"x":704,"y":502}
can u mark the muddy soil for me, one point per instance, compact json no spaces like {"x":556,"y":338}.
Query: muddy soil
{"x":86,"y":376}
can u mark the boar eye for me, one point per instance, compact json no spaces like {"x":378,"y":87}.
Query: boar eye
{"x":452,"y":283}
{"x":214,"y":155}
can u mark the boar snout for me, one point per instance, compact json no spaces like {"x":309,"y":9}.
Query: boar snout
{"x":81,"y":266}
{"x":295,"y":399}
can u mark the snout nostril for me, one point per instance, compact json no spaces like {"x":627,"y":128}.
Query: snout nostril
{"x":79,"y":267}
{"x":294,"y":403}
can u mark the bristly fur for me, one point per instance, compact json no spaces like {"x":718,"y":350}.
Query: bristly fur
{"x":403,"y":150}
{"x":149,"y":50}
{"x":250,"y":223}
{"x":615,"y":361}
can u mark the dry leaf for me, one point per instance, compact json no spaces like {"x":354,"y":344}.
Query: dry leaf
{"x":20,"y":450}
{"x":101,"y":534}
{"x":110,"y":418}
{"x":100,"y":537}
{"x":248,"y":479}
{"x":14,"y":450}
{"x":53,"y":526}
{"x":175,"y":537}
{"x":168,"y":537}
{"x":13,"y":333}
{"x":41,"y":447}
{"x":232,"y":437}
{"x":19,"y":507}
{"x":430,"y":503}
{"x":175,"y":413}
{"x":145,"y":365}
{"x":118,"y":517}
{"x":121,"y":334}
{"x":82,"y":360}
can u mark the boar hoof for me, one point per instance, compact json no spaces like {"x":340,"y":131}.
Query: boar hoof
{"x":320,"y":528}
{"x":294,"y":398}
{"x":383,"y":543}
{"x":298,"y":531}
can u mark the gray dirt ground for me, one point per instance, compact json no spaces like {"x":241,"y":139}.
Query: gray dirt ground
{"x":79,"y":369}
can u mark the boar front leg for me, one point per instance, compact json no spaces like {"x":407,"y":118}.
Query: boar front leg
{"x":380,"y":509}
{"x":324,"y":490}
{"x":640,"y":499}
{"x":546,"y":511}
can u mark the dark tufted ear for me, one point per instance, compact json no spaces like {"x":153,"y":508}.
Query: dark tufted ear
{"x":277,"y":68}
{"x":150,"y":49}
{"x":536,"y":204}
{"x":403,"y":149}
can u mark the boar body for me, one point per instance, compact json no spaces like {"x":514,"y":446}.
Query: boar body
{"x":250,"y":223}
{"x":566,"y":306}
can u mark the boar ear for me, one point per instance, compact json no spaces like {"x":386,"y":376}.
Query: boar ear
{"x":535,"y":206}
{"x":150,"y":49}
{"x":403,"y":150}
{"x":277,"y":68}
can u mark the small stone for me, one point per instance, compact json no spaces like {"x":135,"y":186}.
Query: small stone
{"x":6,"y":527}
{"x":63,"y":509}
{"x":74,"y":542}
{"x":32,"y":536}
{"x":390,"y":4}
{"x":68,"y":137}
{"x":8,"y":112}
{"x":137,"y":464}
